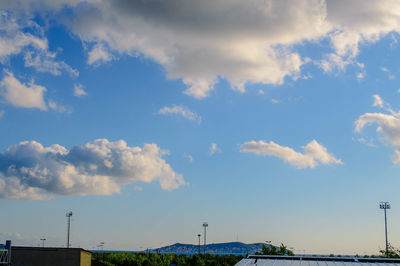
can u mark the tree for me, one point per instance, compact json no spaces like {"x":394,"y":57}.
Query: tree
{"x":392,"y":252}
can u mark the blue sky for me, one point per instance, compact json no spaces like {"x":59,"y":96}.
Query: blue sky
{"x":270,"y":121}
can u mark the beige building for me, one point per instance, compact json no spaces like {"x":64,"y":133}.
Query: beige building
{"x":35,"y":256}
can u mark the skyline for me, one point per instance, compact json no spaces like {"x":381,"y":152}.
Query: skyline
{"x":270,"y":120}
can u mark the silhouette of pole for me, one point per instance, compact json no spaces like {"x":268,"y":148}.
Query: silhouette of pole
{"x":69,"y":214}
{"x":385,"y":206}
{"x":199,"y":242}
{"x":43,"y":239}
{"x":205,"y":224}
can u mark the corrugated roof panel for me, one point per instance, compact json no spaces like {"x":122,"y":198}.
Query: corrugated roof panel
{"x":277,"y":262}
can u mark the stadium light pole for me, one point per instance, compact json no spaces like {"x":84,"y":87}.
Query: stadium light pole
{"x":199,"y":242}
{"x":43,"y":239}
{"x":385,"y":206}
{"x":69,"y":214}
{"x":205,"y":225}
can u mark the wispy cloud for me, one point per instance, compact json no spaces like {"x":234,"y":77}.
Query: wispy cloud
{"x":214,"y":149}
{"x":79,"y":91}
{"x":181,"y":111}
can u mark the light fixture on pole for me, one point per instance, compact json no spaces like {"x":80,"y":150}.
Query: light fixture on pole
{"x":385,"y":206}
{"x":43,"y":239}
{"x":69,"y":214}
{"x":199,"y":242}
{"x":205,"y":225}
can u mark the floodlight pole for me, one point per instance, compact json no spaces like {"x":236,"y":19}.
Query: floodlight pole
{"x":199,"y":242}
{"x":43,"y":239}
{"x":205,"y":224}
{"x":69,"y":214}
{"x":385,"y":206}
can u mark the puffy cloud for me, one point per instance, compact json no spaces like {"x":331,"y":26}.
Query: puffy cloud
{"x":314,"y":153}
{"x":182,"y":111}
{"x":214,"y":149}
{"x":78,"y":90}
{"x":29,"y":170}
{"x":20,"y":94}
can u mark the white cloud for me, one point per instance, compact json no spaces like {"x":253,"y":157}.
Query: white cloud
{"x":1,"y":113}
{"x":274,"y":101}
{"x":46,"y":62}
{"x":29,"y":170}
{"x":21,"y":94}
{"x":314,"y":153}
{"x":260,"y":92}
{"x":182,"y":111}
{"x":203,"y":41}
{"x":189,"y":157}
{"x":25,"y":36}
{"x":377,"y":101}
{"x":99,"y":55}
{"x":59,"y":108}
{"x":214,"y":149}
{"x":79,"y":91}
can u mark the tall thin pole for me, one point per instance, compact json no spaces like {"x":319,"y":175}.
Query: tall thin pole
{"x":69,"y":214}
{"x":205,"y":236}
{"x":43,"y":239}
{"x":387,"y":250}
{"x":199,"y":243}
{"x":385,"y":206}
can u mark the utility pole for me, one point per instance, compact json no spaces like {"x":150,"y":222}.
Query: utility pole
{"x":199,"y":242}
{"x":69,"y":214}
{"x":205,"y":225}
{"x":385,"y":206}
{"x":43,"y":239}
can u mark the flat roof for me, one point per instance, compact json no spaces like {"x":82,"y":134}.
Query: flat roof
{"x":48,"y":248}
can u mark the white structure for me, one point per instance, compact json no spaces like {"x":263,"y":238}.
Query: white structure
{"x":266,"y":260}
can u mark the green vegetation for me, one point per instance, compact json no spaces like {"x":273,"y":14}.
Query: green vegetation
{"x":272,"y":250}
{"x":391,"y":253}
{"x":152,"y":259}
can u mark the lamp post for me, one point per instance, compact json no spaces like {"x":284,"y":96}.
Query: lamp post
{"x":205,"y":225}
{"x":43,"y":239}
{"x":69,"y":214}
{"x":199,"y":242}
{"x":385,"y":206}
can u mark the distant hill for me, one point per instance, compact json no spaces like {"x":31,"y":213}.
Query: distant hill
{"x":236,"y":248}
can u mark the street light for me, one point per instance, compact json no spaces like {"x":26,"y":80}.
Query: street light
{"x":199,"y":242}
{"x":43,"y":239}
{"x":69,"y":214}
{"x":385,"y":206}
{"x":205,"y":225}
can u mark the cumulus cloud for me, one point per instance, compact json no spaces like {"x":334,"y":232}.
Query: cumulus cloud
{"x":214,"y":149}
{"x":46,"y":62}
{"x":79,"y":91}
{"x":182,"y":111}
{"x":98,"y":55}
{"x":29,"y":170}
{"x":314,"y":153}
{"x":20,"y":94}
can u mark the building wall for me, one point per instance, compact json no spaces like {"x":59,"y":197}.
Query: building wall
{"x":30,"y":256}
{"x":86,"y":258}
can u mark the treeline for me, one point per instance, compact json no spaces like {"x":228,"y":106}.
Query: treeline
{"x":154,"y":259}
